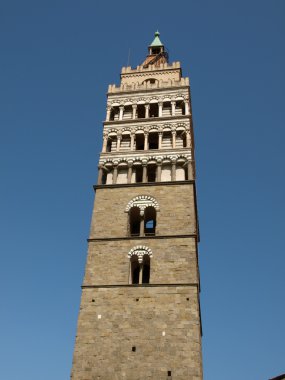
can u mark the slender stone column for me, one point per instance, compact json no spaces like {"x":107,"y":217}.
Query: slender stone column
{"x":119,"y":138}
{"x":186,"y":107}
{"x":146,"y":141}
{"x":142,"y":225}
{"x":173,"y":139}
{"x":160,"y":139}
{"x":135,"y":111}
{"x":105,"y":140}
{"x":146,"y":111}
{"x":100,"y":174}
{"x":158,"y":172}
{"x":190,"y":170}
{"x":115,"y":174}
{"x":141,"y":272}
{"x":144,"y":179}
{"x":121,"y":112}
{"x":130,"y":171}
{"x":160,"y":105}
{"x":173,"y":105}
{"x":132,"y":141}
{"x":188,"y":139}
{"x":108,"y":113}
{"x":173,"y":170}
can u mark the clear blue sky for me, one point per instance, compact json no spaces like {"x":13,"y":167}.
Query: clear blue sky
{"x":57,"y":59}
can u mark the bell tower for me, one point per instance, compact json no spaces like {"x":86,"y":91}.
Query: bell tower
{"x":140,"y":313}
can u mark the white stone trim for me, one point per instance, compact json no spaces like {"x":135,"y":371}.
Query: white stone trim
{"x":139,"y":158}
{"x":140,"y":251}
{"x":148,"y":127}
{"x":142,"y":202}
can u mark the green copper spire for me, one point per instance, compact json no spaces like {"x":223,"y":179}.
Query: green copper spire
{"x":156,"y":41}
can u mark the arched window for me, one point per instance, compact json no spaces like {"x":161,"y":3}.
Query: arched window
{"x":128,"y":112}
{"x":166,"y":140}
{"x":150,"y":81}
{"x":135,"y":270}
{"x":141,"y":111}
{"x":149,"y":221}
{"x":181,"y":171}
{"x":111,"y":143}
{"x":153,"y":110}
{"x":140,"y":265}
{"x":142,"y":215}
{"x":125,"y":141}
{"x":146,"y":269}
{"x":122,"y":173}
{"x":151,"y":173}
{"x":180,"y":107}
{"x":134,"y":221}
{"x":138,"y":173}
{"x":114,"y":114}
{"x":139,"y":141}
{"x":180,"y":139}
{"x":153,"y":140}
{"x":166,"y":110}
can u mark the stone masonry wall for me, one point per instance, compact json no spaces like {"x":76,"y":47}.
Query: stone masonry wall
{"x":173,"y":261}
{"x":176,"y":215}
{"x":162,"y":323}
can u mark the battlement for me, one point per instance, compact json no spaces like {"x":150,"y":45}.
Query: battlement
{"x":141,"y":68}
{"x":146,"y":85}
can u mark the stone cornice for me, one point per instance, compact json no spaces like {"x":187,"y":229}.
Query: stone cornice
{"x":143,"y":184}
{"x":133,"y":154}
{"x":150,"y":120}
{"x":187,"y":236}
{"x":152,"y":91}
{"x":181,"y":284}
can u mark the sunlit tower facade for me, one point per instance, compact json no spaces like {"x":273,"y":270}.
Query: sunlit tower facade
{"x":140,"y":315}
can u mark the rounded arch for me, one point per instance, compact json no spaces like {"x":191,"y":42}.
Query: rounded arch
{"x":125,"y":131}
{"x":153,"y":99}
{"x":153,"y":128}
{"x":140,"y":251}
{"x":150,"y":80}
{"x":142,"y":202}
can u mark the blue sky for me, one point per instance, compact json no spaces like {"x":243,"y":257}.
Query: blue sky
{"x":57,"y":59}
